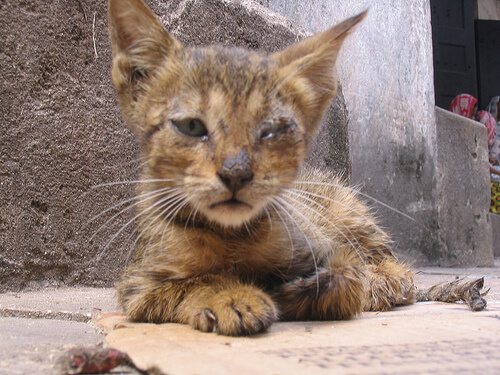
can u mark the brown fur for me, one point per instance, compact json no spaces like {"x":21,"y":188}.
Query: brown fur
{"x":233,"y":233}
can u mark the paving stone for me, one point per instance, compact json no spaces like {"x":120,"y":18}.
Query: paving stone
{"x":76,"y":304}
{"x":419,"y":339}
{"x":29,"y":346}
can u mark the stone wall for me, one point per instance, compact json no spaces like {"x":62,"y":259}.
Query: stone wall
{"x":386,"y":73}
{"x":396,"y":143}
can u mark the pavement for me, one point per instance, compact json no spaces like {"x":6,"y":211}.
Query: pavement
{"x":431,"y":337}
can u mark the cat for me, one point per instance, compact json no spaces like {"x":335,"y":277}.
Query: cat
{"x":234,"y":232}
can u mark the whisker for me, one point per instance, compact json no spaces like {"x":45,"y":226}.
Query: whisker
{"x":141,"y":159}
{"x":101,"y":254}
{"x":281,"y":203}
{"x":164,"y":207}
{"x":149,"y":195}
{"x":333,"y":225}
{"x":131,"y":182}
{"x":196,"y":207}
{"x":181,"y":204}
{"x":268,"y":214}
{"x":359,"y":193}
{"x":173,"y":195}
{"x":292,"y":254}
{"x":145,"y":195}
{"x":172,"y":205}
{"x":168,"y":206}
{"x":300,"y":193}
{"x":193,"y":211}
{"x":247,"y":228}
{"x":276,"y":209}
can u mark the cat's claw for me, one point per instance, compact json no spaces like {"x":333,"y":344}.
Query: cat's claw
{"x":238,"y":312}
{"x":208,"y":320}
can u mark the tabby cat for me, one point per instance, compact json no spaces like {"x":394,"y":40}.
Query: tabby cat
{"x":233,"y":232}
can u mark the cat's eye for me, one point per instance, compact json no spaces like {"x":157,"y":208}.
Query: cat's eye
{"x":191,"y":127}
{"x":269,"y":132}
{"x":270,"y":129}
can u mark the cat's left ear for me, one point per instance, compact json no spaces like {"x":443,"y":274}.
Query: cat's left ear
{"x":309,"y":65}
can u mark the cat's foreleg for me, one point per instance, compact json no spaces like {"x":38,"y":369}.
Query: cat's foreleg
{"x":209,"y":303}
{"x":345,"y":287}
{"x":335,"y":291}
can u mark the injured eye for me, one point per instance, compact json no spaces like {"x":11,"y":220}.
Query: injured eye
{"x":191,"y":127}
{"x":272,"y":128}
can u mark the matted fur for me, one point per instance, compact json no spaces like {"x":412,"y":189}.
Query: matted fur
{"x":232,"y":232}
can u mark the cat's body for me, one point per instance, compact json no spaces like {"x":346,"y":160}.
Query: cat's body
{"x":331,"y":263}
{"x":233,"y":233}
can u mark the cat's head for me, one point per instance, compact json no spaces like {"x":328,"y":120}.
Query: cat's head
{"x":226,"y":129}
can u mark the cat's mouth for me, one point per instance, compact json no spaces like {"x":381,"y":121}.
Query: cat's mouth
{"x":232,"y":212}
{"x":231,"y":203}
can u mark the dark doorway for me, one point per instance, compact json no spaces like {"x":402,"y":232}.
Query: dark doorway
{"x":454,"y":49}
{"x":488,"y":60}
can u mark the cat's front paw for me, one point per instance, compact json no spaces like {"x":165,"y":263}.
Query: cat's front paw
{"x":240,"y":311}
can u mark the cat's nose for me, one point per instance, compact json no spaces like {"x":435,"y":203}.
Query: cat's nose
{"x":236,"y":171}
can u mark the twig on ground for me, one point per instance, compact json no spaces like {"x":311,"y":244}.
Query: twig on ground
{"x":93,"y":36}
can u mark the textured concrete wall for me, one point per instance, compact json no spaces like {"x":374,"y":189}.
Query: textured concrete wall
{"x":386,"y":72}
{"x":463,"y":191}
{"x":61,"y":133}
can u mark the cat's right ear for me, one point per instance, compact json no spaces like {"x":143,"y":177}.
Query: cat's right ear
{"x":140,"y":44}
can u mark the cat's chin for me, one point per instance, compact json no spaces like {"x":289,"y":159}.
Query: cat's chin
{"x":231,"y":213}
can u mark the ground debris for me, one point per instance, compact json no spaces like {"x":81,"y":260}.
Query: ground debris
{"x":457,"y":290}
{"x":91,"y":360}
